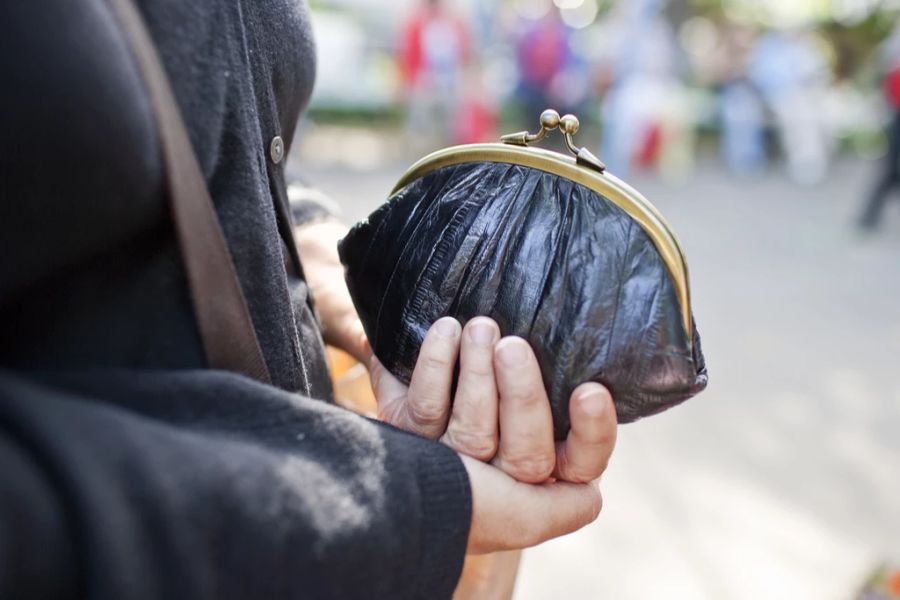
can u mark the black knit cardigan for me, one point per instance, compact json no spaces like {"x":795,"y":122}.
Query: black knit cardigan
{"x":127,"y":468}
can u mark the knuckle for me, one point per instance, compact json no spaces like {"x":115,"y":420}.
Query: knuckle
{"x":387,"y":412}
{"x":477,"y":445}
{"x":530,"y":468}
{"x":477,"y":403}
{"x":435,"y":362}
{"x":478,"y":367}
{"x":523,"y":395}
{"x":574,"y":472}
{"x":427,"y":412}
{"x":385,"y":415}
{"x":578,"y":474}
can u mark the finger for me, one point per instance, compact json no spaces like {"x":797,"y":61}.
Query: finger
{"x":473,"y":421}
{"x":356,"y":342}
{"x":566,"y":507}
{"x":526,"y":450}
{"x":390,"y":394}
{"x":508,"y":515}
{"x":585,"y":453}
{"x":428,"y":405}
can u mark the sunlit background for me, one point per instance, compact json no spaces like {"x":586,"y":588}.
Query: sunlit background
{"x":760,"y":129}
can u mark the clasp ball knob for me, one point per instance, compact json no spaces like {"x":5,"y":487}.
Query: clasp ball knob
{"x":568,"y":124}
{"x":549,"y":119}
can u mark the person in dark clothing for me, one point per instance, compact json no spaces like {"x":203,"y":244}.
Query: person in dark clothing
{"x":889,"y":178}
{"x":130,"y":468}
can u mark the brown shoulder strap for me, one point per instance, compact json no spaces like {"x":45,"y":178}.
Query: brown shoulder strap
{"x":229,"y":338}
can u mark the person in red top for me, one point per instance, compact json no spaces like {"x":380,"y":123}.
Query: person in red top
{"x":434,"y":49}
{"x":890,"y":175}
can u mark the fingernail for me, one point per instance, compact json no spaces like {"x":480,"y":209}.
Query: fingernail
{"x":513,"y":353}
{"x":447,"y":327}
{"x":482,"y":333}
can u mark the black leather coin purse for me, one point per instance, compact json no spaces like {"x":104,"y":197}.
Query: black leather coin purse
{"x":552,"y":247}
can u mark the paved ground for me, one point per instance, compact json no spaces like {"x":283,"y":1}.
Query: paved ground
{"x":783,"y":479}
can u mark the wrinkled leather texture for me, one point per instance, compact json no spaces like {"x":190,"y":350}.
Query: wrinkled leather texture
{"x":549,"y":259}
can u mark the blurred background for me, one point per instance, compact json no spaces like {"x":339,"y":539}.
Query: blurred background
{"x":767,"y":132}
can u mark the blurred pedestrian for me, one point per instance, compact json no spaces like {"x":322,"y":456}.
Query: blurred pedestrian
{"x":543,"y":54}
{"x":741,"y":108}
{"x":646,"y":114}
{"x":889,"y":178}
{"x":476,"y":120}
{"x":743,"y":127}
{"x":434,"y":49}
{"x":792,"y":75}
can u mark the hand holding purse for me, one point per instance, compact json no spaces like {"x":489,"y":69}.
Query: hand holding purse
{"x":553,"y":248}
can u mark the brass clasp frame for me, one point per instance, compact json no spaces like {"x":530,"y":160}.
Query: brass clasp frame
{"x":568,"y":124}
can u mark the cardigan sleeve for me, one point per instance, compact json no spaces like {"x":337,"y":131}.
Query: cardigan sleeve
{"x":204,"y":484}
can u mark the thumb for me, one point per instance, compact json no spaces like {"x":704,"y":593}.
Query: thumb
{"x":509,"y":515}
